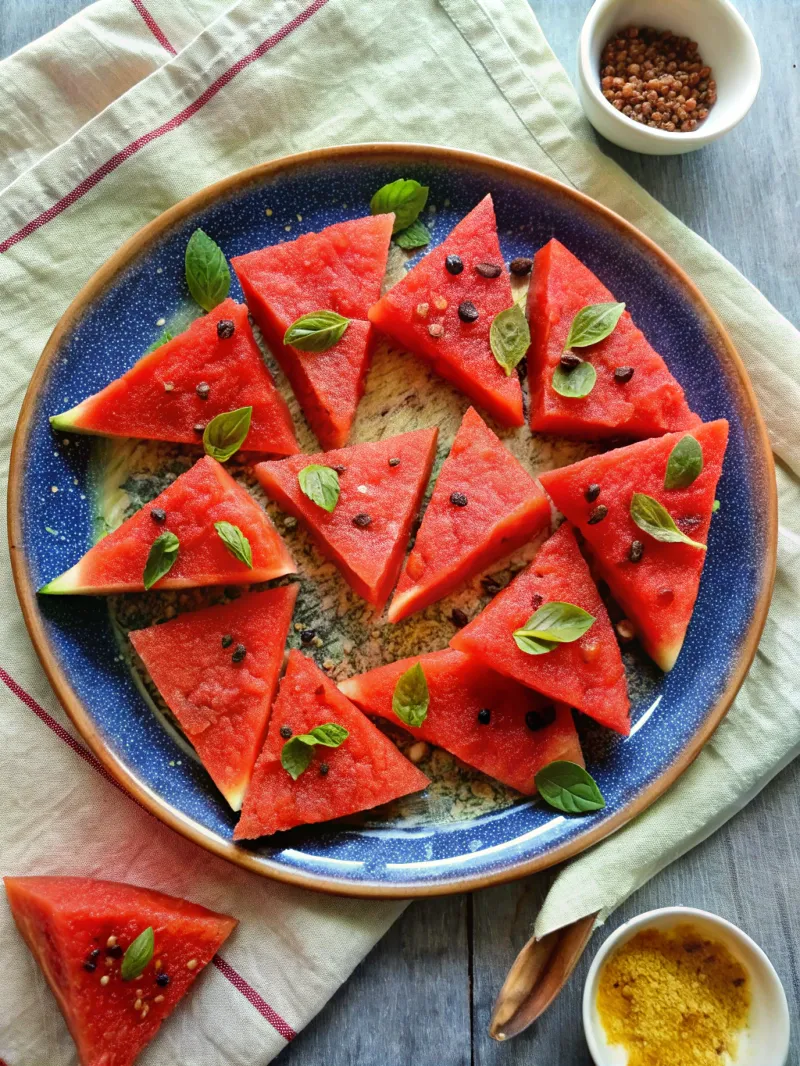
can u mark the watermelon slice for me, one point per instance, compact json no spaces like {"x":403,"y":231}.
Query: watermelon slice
{"x":523,"y":732}
{"x":157,"y":398}
{"x":650,"y":403}
{"x":485,"y":505}
{"x":205,"y":494}
{"x":429,"y":296}
{"x":364,"y":772}
{"x":659,"y":591}
{"x":221,"y":701}
{"x":373,"y":487}
{"x":338,"y":269}
{"x":587,"y":674}
{"x":78,"y":930}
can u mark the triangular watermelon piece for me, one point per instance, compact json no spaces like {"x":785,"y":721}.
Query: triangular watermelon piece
{"x":158,"y":398}
{"x":189,"y":508}
{"x":485,"y":505}
{"x":587,"y":674}
{"x":649,"y":403}
{"x":78,"y":930}
{"x":366,"y":771}
{"x":338,"y":269}
{"x":659,"y":591}
{"x":429,"y":296}
{"x":381,"y":487}
{"x":221,"y":699}
{"x":495,"y":724}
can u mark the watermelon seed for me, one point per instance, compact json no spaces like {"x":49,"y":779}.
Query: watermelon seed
{"x":536,"y":720}
{"x":623,"y":373}
{"x":592,"y":492}
{"x":227,"y":640}
{"x":488,"y":270}
{"x":168,"y":386}
{"x":458,"y":618}
{"x":111,"y":942}
{"x":394,"y":462}
{"x":458,"y":499}
{"x":491,"y":585}
{"x":422,"y":310}
{"x":138,"y":1004}
{"x":115,"y":951}
{"x":158,"y":999}
{"x":225,"y":329}
{"x":286,"y":731}
{"x":636,"y":551}
{"x":454,"y":264}
{"x":468,"y":312}
{"x":324,"y":769}
{"x":239,"y":653}
{"x":199,"y":427}
{"x":202,"y":390}
{"x":104,"y":980}
{"x":362,"y":520}
{"x":537,"y":600}
{"x":340,"y":469}
{"x":191,"y":964}
{"x":158,"y":514}
{"x":90,"y":965}
{"x":162,"y":980}
{"x":436,"y":329}
{"x":145,"y":1010}
{"x":569,"y":360}
{"x":484,"y":716}
{"x":597,"y":514}
{"x":665,"y":596}
{"x":307,"y":636}
{"x":521,"y":266}
{"x":625,"y":630}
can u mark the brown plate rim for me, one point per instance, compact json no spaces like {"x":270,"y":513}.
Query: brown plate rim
{"x":77,"y":712}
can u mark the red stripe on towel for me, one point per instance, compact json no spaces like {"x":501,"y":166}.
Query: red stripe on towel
{"x":154,"y":27}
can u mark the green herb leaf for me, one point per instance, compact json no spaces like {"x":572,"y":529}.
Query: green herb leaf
{"x":330,"y":735}
{"x":296,"y":756}
{"x":532,"y":645}
{"x":557,"y":622}
{"x":411,"y":697}
{"x":715,"y":506}
{"x":225,"y":433}
{"x":207,"y":272}
{"x":684,"y":464}
{"x":574,"y":384}
{"x":139,"y":953}
{"x":593,"y":324}
{"x":509,"y":337}
{"x":416,"y":236}
{"x":320,"y":484}
{"x":569,"y":788}
{"x":405,"y":197}
{"x":163,"y":339}
{"x":235,"y":541}
{"x":160,"y":559}
{"x":655,"y":519}
{"x":316,"y":332}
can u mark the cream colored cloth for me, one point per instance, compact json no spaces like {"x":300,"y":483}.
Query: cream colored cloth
{"x":102,"y":127}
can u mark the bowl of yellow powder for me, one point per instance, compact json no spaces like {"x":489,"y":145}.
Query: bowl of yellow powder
{"x":682,"y":987}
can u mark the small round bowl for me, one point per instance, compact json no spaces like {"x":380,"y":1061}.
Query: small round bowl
{"x":766,"y":1040}
{"x":724,"y":42}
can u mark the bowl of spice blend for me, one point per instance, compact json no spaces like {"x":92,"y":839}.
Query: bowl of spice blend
{"x":680,"y":985}
{"x":666,"y":78}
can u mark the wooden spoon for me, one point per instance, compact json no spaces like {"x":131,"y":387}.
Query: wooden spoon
{"x":539,"y":973}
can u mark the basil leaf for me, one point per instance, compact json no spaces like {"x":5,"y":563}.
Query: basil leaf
{"x":226,"y":433}
{"x":557,"y":622}
{"x":405,"y":197}
{"x":157,"y":343}
{"x":411,"y":697}
{"x":569,"y":788}
{"x":316,"y":332}
{"x":684,"y":464}
{"x":138,"y":954}
{"x":207,"y":272}
{"x":509,"y":337}
{"x":532,"y":645}
{"x":715,"y":506}
{"x":330,"y":735}
{"x":235,"y":541}
{"x":160,"y":559}
{"x":593,"y":324}
{"x":655,"y":519}
{"x":575,"y":384}
{"x":320,"y":484}
{"x":416,"y":236}
{"x":296,"y":756}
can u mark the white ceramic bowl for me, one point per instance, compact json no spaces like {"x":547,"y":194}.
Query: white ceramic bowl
{"x":724,"y":42}
{"x":764,"y":1043}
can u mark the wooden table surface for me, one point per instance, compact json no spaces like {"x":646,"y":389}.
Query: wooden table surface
{"x":425,"y":994}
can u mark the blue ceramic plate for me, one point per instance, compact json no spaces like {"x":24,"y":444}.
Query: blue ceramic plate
{"x":465,"y":833}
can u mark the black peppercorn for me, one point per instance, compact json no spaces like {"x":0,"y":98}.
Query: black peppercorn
{"x":202,"y":390}
{"x":158,"y":514}
{"x":324,"y":769}
{"x":394,"y":462}
{"x":569,"y":360}
{"x":484,"y":716}
{"x":225,"y":329}
{"x":162,"y":980}
{"x":458,"y":499}
{"x":307,"y":636}
{"x":623,"y":373}
{"x":540,"y":719}
{"x":239,"y":653}
{"x":636,"y":551}
{"x":592,"y":492}
{"x":521,"y":266}
{"x":286,"y":731}
{"x":458,"y":618}
{"x":90,"y":966}
{"x":488,"y":270}
{"x":597,"y":514}
{"x":453,"y":264}
{"x":468,"y":312}
{"x":362,"y":520}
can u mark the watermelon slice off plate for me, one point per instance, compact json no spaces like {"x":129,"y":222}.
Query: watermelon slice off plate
{"x":524,"y":731}
{"x":68,"y":923}
{"x":650,"y":403}
{"x":193,"y":503}
{"x":365,"y":771}
{"x":658,"y":592}
{"x":338,"y":269}
{"x":485,"y":505}
{"x":586,"y":674}
{"x":222,"y":700}
{"x":367,"y":532}
{"x":157,"y":399}
{"x":429,"y":296}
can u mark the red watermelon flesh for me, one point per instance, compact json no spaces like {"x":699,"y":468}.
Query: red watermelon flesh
{"x":587,"y":674}
{"x":338,"y":269}
{"x":222,"y":704}
{"x":658,"y":593}
{"x":504,"y":509}
{"x":507,"y":747}
{"x":430,"y":296}
{"x":366,"y":771}
{"x":157,"y":398}
{"x":650,"y":404}
{"x":389,"y":494}
{"x":65,"y":920}
{"x":205,"y":494}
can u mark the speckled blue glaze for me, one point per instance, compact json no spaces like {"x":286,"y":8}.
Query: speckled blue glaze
{"x":124,"y":321}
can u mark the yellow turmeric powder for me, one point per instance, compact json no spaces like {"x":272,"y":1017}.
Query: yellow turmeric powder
{"x":673,"y":997}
